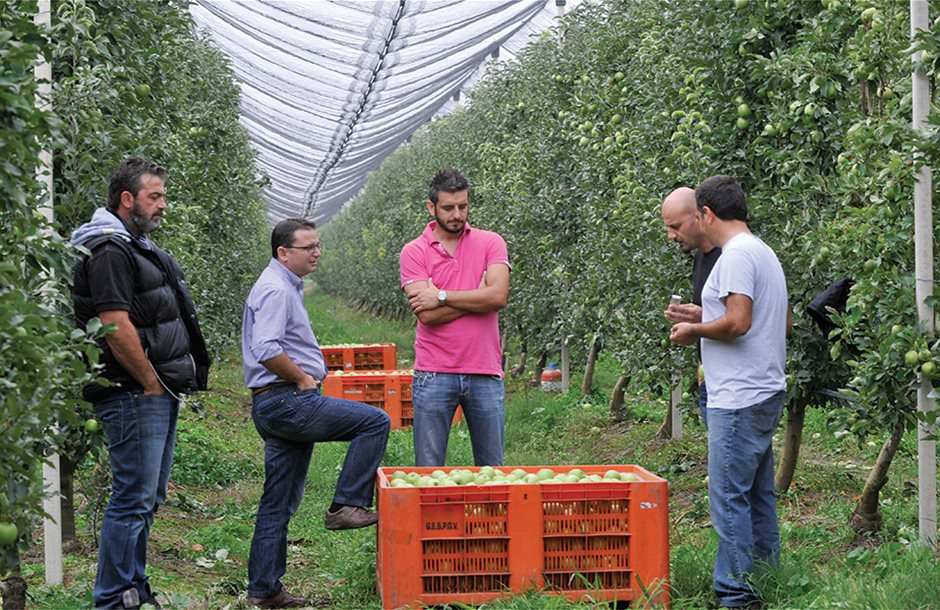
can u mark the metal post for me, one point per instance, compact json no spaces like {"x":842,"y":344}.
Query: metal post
{"x":560,"y":16}
{"x":923,"y":272}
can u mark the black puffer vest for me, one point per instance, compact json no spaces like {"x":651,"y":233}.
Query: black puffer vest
{"x":163,"y":313}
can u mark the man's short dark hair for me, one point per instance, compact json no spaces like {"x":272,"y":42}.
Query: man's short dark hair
{"x":449,"y":181}
{"x":127,"y":178}
{"x":283,"y":233}
{"x":724,"y":196}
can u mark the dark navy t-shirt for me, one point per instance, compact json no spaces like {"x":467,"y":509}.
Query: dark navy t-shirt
{"x":702,"y":266}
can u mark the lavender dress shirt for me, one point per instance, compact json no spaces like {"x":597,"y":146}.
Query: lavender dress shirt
{"x":275,"y":321}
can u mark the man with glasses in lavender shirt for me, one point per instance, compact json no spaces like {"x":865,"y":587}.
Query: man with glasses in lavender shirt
{"x":284,"y":366}
{"x":456,"y":279}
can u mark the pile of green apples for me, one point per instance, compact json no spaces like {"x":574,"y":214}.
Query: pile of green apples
{"x":487,"y":475}
{"x":396,"y":372}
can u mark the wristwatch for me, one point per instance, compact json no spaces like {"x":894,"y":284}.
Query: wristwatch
{"x":441,"y":297}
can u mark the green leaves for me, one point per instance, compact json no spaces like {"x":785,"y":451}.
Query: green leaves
{"x":119,"y":96}
{"x":128,"y":77}
{"x":806,"y":103}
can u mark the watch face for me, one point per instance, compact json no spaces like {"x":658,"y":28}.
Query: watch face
{"x":441,"y":296}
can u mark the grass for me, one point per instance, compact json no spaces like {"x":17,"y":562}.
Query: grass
{"x":200,"y":539}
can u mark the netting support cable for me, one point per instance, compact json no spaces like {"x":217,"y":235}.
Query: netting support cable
{"x":346,"y":129}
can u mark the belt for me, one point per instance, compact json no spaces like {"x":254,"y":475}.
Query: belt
{"x":272,"y":386}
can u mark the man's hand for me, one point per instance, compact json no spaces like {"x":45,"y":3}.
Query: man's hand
{"x":308,"y":383}
{"x":684,"y":312}
{"x":683,"y":333}
{"x":435,"y":314}
{"x":424,"y":299}
{"x":735,"y":322}
{"x":128,"y":351}
{"x":285,"y":368}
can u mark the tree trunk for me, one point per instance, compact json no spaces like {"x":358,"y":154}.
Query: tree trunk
{"x":665,"y":430}
{"x":539,"y":366}
{"x":13,"y":591}
{"x":618,"y":409}
{"x":504,"y":356}
{"x":67,"y":469}
{"x":866,"y":518}
{"x":792,"y":439}
{"x":520,"y":368}
{"x":588,"y":380}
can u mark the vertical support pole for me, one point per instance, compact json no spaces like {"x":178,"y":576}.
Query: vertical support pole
{"x":52,"y":500}
{"x":565,"y":365}
{"x":923,"y":272}
{"x":675,"y":399}
{"x":52,"y":523}
{"x":43,"y":75}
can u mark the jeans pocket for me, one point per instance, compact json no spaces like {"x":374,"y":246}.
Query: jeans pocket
{"x":112,"y":419}
{"x":277,"y":413}
{"x":142,"y":400}
{"x":764,"y":417}
{"x":419,"y":379}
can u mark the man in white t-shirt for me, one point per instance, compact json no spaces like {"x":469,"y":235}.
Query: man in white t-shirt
{"x":745,"y":320}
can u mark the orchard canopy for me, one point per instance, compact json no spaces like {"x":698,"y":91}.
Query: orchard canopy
{"x":329,"y":89}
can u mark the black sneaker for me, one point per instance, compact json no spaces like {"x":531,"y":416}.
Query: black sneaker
{"x":151,"y":603}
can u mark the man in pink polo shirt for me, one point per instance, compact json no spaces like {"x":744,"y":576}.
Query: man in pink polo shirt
{"x":457,"y":280}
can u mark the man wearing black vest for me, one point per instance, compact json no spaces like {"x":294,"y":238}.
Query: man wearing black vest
{"x":154,"y":356}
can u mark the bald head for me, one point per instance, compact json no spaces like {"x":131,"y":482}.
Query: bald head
{"x":680,"y":215}
{"x":681,"y":200}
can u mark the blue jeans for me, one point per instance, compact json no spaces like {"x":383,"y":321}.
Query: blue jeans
{"x":435,"y":397}
{"x":141,"y":434}
{"x":703,"y":404}
{"x":741,"y":495}
{"x":290,"y":422}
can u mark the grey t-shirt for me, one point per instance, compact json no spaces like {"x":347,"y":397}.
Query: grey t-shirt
{"x":750,"y":368}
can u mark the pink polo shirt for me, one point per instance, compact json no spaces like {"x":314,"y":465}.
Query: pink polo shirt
{"x":469,"y":344}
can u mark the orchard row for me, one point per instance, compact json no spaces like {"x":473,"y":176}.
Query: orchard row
{"x":572,"y":145}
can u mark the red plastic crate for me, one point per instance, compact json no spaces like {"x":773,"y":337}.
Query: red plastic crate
{"x":362,"y":357}
{"x":387,"y":390}
{"x":608,"y":540}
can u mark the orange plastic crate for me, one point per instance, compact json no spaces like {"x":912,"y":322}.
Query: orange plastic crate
{"x":364,"y":357}
{"x":387,"y":390}
{"x":608,"y":540}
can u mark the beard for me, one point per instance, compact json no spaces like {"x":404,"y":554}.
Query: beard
{"x":451,"y":227}
{"x":143,"y":223}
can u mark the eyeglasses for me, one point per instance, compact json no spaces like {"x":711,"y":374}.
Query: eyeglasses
{"x":317,"y":245}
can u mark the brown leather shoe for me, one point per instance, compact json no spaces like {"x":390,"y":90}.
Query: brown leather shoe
{"x":282,"y":599}
{"x":350,"y":518}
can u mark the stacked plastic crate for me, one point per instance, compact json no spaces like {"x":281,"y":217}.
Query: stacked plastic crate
{"x":606,"y":540}
{"x":361,"y":357}
{"x":367,"y":373}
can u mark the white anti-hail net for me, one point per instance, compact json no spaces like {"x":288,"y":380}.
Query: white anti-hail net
{"x":331,"y":87}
